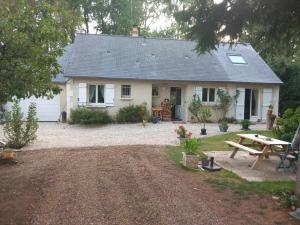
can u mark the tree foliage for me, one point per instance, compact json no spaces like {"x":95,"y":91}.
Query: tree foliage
{"x":289,"y":72}
{"x":33,"y":35}
{"x":271,"y":23}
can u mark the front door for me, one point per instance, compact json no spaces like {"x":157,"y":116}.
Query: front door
{"x":176,"y":102}
{"x":251,"y":104}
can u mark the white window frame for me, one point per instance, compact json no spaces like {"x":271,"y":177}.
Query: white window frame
{"x":102,"y":104}
{"x":155,"y":87}
{"x":130,"y":90}
{"x":208,"y":95}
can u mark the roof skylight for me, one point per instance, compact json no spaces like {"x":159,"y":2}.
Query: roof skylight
{"x":237,"y":59}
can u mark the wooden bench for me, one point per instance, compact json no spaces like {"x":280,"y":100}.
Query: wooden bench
{"x":242,"y":147}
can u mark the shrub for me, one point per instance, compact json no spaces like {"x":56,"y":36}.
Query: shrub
{"x":195,"y":107}
{"x":287,"y":125}
{"x":89,"y":116}
{"x":132,"y":114}
{"x":19,"y":133}
{"x":245,"y":124}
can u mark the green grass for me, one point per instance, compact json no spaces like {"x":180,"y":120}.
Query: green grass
{"x":228,"y":180}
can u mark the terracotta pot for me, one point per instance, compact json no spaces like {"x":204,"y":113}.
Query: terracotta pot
{"x":190,"y":161}
{"x":8,"y":155}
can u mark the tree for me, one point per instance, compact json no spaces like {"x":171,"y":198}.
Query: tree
{"x":117,"y":17}
{"x":271,"y":23}
{"x":33,"y":35}
{"x":289,"y":72}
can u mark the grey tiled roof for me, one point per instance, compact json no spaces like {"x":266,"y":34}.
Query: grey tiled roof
{"x":125,"y":57}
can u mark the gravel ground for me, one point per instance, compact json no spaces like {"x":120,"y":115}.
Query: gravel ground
{"x":121,"y":185}
{"x":59,"y":135}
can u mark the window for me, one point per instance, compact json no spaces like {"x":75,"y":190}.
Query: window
{"x":155,"y":92}
{"x":237,"y":59}
{"x":125,"y":91}
{"x":208,"y":94}
{"x":96,"y":94}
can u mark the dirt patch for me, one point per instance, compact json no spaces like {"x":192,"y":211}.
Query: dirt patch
{"x":120,"y":185}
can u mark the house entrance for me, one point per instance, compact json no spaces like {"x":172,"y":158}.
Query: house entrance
{"x":251,"y":104}
{"x":176,"y":103}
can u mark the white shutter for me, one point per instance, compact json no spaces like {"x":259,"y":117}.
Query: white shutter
{"x":198,"y":92}
{"x":82,"y":94}
{"x":240,"y":104}
{"x":267,"y":100}
{"x":109,"y":94}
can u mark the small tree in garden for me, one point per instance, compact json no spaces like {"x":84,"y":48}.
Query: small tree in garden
{"x":18,"y":132}
{"x":225,"y":101}
{"x":195,"y":107}
{"x":205,"y":114}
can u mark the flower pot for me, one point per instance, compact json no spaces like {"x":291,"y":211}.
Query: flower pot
{"x":223,"y":128}
{"x":182,"y":140}
{"x":245,"y":127}
{"x":8,"y":155}
{"x":203,"y":131}
{"x":204,"y":162}
{"x":190,"y":161}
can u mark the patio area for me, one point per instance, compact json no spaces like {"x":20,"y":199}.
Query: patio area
{"x":241,"y":165}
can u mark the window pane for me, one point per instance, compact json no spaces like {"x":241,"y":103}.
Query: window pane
{"x":155,"y":91}
{"x":126,"y":91}
{"x":237,"y":59}
{"x":100,"y":93}
{"x":92,"y":93}
{"x":211,"y":94}
{"x":254,"y":103}
{"x":204,"y":95}
{"x":178,"y":96}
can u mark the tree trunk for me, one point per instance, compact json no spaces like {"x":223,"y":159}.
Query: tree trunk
{"x":298,"y":177}
{"x":86,"y":20}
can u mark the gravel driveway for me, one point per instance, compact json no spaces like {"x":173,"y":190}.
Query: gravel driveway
{"x":59,"y":135}
{"x":121,"y":185}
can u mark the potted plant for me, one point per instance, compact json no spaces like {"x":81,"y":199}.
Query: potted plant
{"x":190,"y":157}
{"x":205,"y":113}
{"x":245,"y":124}
{"x":223,"y":126}
{"x":8,"y":154}
{"x":183,"y":134}
{"x":225,"y":101}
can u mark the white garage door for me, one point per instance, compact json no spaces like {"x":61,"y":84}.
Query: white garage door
{"x":47,"y":109}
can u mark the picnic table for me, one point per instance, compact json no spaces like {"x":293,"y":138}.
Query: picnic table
{"x":264,"y":146}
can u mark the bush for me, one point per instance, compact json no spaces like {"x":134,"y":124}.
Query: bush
{"x":287,"y":125}
{"x":19,"y":133}
{"x":89,"y":116}
{"x":133,"y":114}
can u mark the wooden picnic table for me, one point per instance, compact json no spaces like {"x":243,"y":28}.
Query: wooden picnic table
{"x":265,"y":144}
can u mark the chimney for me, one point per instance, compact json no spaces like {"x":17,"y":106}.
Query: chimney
{"x":135,"y":31}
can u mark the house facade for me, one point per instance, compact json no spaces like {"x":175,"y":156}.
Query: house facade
{"x":109,"y":72}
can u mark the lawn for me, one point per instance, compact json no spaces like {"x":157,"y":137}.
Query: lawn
{"x":226,"y":179}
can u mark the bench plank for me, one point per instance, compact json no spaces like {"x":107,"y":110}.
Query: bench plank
{"x":242,"y":147}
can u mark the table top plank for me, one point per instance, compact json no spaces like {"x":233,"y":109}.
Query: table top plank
{"x":263,"y":139}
